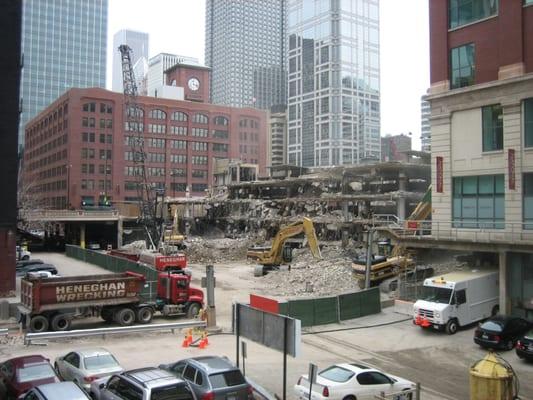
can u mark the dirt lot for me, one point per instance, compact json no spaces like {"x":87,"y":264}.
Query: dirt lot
{"x":438,"y":361}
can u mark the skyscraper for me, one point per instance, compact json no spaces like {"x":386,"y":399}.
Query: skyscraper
{"x":138,"y":42}
{"x":425,"y":113}
{"x":334,"y":94}
{"x":64,"y":45}
{"x":245,"y":48}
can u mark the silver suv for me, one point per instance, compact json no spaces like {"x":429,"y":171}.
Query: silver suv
{"x":142,"y":384}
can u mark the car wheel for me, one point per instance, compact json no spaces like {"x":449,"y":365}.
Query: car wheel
{"x":25,"y":258}
{"x":451,"y":327}
{"x":193,"y":310}
{"x":509,"y":345}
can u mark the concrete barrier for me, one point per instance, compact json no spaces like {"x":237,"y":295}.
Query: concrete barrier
{"x":403,"y":307}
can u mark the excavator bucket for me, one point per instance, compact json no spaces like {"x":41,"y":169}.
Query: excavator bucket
{"x":310,"y":233}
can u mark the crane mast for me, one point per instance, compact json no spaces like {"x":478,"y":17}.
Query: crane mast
{"x":134,"y":125}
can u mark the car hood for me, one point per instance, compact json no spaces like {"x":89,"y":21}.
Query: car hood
{"x":25,"y":386}
{"x":428,"y":305}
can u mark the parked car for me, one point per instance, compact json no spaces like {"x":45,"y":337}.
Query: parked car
{"x":350,"y":381}
{"x":23,"y":263}
{"x":56,"y":391}
{"x":23,"y":270}
{"x":22,"y":254}
{"x":212,"y":378}
{"x":524,"y":346}
{"x":501,"y":332}
{"x":142,"y":384}
{"x":85,"y":366}
{"x":20,"y":374}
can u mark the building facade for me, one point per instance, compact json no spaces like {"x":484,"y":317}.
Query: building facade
{"x":277,"y":140}
{"x":139,"y":43}
{"x":64,"y":44}
{"x":78,"y":149}
{"x":425,"y":127}
{"x":157,"y":66}
{"x":334,"y":78}
{"x":481,"y":99}
{"x":395,"y":147}
{"x":245,"y":48}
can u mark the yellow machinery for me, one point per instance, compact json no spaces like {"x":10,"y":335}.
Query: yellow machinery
{"x":278,"y":253}
{"x":492,"y":378}
{"x":172,"y":237}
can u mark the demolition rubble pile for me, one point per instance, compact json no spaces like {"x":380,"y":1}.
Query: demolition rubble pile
{"x":309,"y":277}
{"x":216,"y":250}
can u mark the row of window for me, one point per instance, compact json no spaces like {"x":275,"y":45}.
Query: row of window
{"x":91,"y":107}
{"x":253,"y":136}
{"x":90,"y":122}
{"x":479,"y":201}
{"x":50,"y":159}
{"x":51,"y":186}
{"x":90,"y":137}
{"x":59,"y":141}
{"x":89,"y":184}
{"x":178,"y":116}
{"x":90,"y":169}
{"x":38,"y":135}
{"x":53,"y":172}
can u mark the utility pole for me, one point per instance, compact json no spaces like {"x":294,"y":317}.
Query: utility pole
{"x":209,"y":283}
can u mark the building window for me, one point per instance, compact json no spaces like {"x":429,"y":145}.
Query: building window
{"x":179,"y":116}
{"x":462,"y":12}
{"x":528,"y":200}
{"x":199,"y":160}
{"x":219,"y":120}
{"x":157,"y":128}
{"x":462,"y":63}
{"x":178,"y":172}
{"x":199,"y":132}
{"x":492,"y":127}
{"x":178,"y":130}
{"x":220,"y":147}
{"x":199,"y":146}
{"x":89,"y":107}
{"x":198,"y":187}
{"x":178,"y":187}
{"x":200,"y":119}
{"x":478,"y":202}
{"x":157,"y":114}
{"x":220,"y":134}
{"x":528,"y":120}
{"x":199,"y":173}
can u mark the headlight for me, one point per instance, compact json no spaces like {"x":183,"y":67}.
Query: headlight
{"x":437,"y":314}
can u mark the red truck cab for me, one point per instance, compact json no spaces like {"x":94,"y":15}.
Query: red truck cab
{"x":174,"y":290}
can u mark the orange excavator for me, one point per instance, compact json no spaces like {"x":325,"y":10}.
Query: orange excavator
{"x":269,"y":258}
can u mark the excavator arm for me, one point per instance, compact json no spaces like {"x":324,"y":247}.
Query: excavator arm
{"x":273,"y":256}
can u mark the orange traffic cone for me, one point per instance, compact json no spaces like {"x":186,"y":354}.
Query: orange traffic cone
{"x":185,"y":342}
{"x":202,"y":344}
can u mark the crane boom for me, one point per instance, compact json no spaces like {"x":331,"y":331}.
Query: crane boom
{"x":134,"y":124}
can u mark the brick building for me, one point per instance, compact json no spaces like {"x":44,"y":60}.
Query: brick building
{"x":481,"y":99}
{"x":78,"y":147}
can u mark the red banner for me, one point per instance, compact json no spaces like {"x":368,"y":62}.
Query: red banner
{"x":511,"y":169}
{"x":440,"y":175}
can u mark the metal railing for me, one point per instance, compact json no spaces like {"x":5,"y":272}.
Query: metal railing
{"x":29,"y":337}
{"x":413,"y":394}
{"x":54,"y":215}
{"x":386,"y":219}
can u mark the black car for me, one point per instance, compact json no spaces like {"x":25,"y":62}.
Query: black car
{"x":22,"y":271}
{"x":524,"y":346}
{"x":23,"y":263}
{"x":501,"y":332}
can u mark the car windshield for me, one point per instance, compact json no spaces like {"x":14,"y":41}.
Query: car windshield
{"x":495,"y":326}
{"x":336,"y":374}
{"x":436,"y":294}
{"x":101,"y":361}
{"x":178,"y":391}
{"x":35,"y":372}
{"x":225,"y":379}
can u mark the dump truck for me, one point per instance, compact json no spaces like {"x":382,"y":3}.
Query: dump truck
{"x":158,"y":261}
{"x":381,"y":268}
{"x":52,"y":303}
{"x":272,"y":257}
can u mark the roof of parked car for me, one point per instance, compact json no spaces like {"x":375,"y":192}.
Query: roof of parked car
{"x":92,"y":352}
{"x":152,"y":377}
{"x":212,"y":364}
{"x":63,"y":390}
{"x":20,"y":362}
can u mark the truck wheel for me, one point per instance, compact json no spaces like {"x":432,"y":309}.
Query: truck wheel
{"x":107,"y":315}
{"x":39,"y":323}
{"x":125,"y":317}
{"x":60,"y":322}
{"x":259,"y":270}
{"x":144,"y":315}
{"x":193,"y":310}
{"x":451,"y":327}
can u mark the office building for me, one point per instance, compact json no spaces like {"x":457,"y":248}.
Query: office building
{"x":395,"y":147}
{"x":245,"y":48}
{"x":64,"y":44}
{"x":138,"y":42}
{"x":481,"y":98}
{"x":425,"y":127}
{"x":277,"y":140}
{"x":78,"y":149}
{"x":333,"y":94}
{"x":157,"y":66}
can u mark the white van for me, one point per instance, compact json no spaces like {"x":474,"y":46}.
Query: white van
{"x":457,"y":299}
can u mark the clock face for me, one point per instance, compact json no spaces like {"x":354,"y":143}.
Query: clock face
{"x":194,"y":84}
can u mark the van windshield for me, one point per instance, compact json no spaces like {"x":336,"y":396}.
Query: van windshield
{"x":436,"y":294}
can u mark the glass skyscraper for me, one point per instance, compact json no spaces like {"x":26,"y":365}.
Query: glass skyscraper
{"x":64,"y":46}
{"x":333,"y":71}
{"x":245,"y":48}
{"x":138,"y":42}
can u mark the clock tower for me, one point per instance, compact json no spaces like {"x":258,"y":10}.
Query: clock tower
{"x":193,"y":78}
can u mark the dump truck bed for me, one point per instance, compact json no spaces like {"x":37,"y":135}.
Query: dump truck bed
{"x":39,"y":295}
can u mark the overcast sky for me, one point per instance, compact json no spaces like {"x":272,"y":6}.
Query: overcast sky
{"x":177,"y":27}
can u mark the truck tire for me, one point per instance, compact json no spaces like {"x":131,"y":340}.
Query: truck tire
{"x":60,"y":322}
{"x":144,"y":315}
{"x":259,"y":270}
{"x":39,"y":323}
{"x":451,"y":327}
{"x":107,"y":315}
{"x":193,"y":310}
{"x":125,"y":317}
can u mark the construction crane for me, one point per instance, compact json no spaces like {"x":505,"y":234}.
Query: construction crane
{"x":134,"y":124}
{"x":275,"y":255}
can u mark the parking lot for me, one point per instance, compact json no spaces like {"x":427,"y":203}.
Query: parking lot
{"x":438,"y":361}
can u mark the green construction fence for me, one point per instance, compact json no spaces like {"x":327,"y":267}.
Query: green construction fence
{"x":117,"y":265}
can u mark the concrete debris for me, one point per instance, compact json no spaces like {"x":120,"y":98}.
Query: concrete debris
{"x":211,"y":251}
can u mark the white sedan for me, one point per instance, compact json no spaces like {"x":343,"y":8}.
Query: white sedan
{"x":86,"y":365}
{"x":354,"y":382}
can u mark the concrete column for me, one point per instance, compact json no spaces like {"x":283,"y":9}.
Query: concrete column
{"x":402,"y":187}
{"x":345,"y":211}
{"x":82,"y":236}
{"x":120,"y":231}
{"x":504,"y":303}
